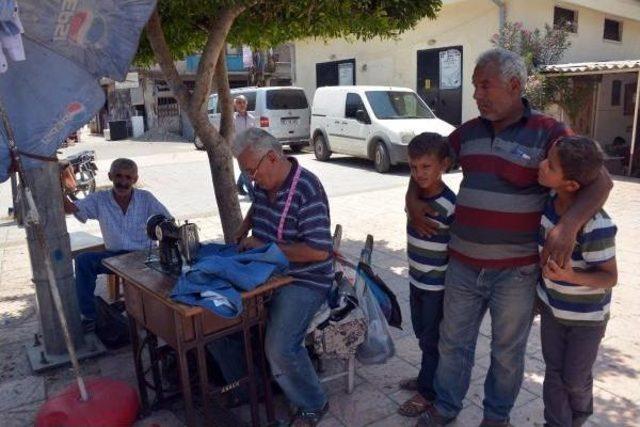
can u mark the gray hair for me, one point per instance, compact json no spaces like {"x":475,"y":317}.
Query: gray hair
{"x":257,"y":140}
{"x":510,"y":64}
{"x":123,"y":164}
{"x":240,"y":98}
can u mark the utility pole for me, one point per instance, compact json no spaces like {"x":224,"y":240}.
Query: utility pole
{"x":47,"y":193}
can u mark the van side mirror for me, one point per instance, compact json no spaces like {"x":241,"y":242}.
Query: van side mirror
{"x":363,"y":117}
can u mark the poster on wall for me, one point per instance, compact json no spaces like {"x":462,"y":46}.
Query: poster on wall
{"x":450,"y":69}
{"x":345,"y":74}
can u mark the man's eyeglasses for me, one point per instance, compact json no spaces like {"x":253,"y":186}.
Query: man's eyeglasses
{"x":252,"y":172}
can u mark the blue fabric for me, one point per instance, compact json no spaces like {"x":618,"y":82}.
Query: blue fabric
{"x":216,"y":280}
{"x":87,"y":267}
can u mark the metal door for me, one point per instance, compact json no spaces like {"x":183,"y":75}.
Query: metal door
{"x":439,"y":82}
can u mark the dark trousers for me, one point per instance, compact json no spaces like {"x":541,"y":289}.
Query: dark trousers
{"x":87,"y":266}
{"x":569,"y":353}
{"x":426,"y":314}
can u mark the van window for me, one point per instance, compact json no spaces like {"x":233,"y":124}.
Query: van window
{"x":388,"y":105}
{"x":286,"y":99}
{"x":251,"y":99}
{"x":354,"y":103}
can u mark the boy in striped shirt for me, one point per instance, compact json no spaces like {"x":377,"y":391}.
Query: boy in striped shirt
{"x":429,"y":159}
{"x":575,"y":298}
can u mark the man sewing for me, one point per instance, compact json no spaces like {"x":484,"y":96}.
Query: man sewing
{"x":122,"y":213}
{"x":292,"y":210}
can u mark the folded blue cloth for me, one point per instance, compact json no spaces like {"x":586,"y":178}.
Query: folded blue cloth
{"x":221,"y":273}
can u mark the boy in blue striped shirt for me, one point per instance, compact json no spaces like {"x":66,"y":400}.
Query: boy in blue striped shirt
{"x":575,"y":297}
{"x":429,"y":159}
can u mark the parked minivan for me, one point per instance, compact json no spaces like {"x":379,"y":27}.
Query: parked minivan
{"x":371,"y":122}
{"x":282,"y":111}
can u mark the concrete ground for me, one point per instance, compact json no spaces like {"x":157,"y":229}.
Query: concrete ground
{"x":364,"y":202}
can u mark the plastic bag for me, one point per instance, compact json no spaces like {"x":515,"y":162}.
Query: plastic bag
{"x":378,"y":345}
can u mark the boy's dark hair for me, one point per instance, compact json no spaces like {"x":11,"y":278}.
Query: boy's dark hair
{"x":428,"y":143}
{"x":581,"y":158}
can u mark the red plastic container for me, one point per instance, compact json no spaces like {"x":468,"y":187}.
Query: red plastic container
{"x":111,"y":403}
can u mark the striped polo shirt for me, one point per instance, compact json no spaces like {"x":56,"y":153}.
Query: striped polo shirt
{"x":571,"y":303}
{"x":307,"y":222}
{"x":500,"y":201}
{"x":428,"y":256}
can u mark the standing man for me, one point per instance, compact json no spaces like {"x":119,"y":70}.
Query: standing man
{"x":494,"y":264}
{"x":122,"y":213}
{"x":243,"y":120}
{"x":292,"y":210}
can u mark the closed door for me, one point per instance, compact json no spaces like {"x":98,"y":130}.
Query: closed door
{"x":439,"y":82}
{"x":354,"y":132}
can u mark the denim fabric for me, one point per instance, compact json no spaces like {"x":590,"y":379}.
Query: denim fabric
{"x":509,"y":295}
{"x":426,"y":315}
{"x":569,"y":353}
{"x":245,"y":183}
{"x":88,"y":265}
{"x":290,"y":313}
{"x":221,"y":273}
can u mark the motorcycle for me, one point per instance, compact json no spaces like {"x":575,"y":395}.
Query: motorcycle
{"x":79,"y":174}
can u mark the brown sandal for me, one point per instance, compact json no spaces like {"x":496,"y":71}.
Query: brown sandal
{"x":414,"y":407}
{"x":410,"y":384}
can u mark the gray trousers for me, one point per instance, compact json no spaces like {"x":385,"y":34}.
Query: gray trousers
{"x":569,"y":353}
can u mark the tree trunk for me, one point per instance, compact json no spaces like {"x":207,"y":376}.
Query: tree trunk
{"x":218,"y":149}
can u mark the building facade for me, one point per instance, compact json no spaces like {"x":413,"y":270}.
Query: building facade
{"x":437,"y":57}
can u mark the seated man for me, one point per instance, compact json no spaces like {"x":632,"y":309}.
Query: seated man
{"x":291,"y":209}
{"x":122,"y":213}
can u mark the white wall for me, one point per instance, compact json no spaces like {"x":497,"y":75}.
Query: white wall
{"x":469,"y":23}
{"x":394,"y":63}
{"x":610,"y":121}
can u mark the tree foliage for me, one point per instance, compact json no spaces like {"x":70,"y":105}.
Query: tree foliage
{"x":540,"y":48}
{"x":270,"y":23}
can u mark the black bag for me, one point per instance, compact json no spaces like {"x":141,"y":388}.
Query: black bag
{"x":112,"y":326}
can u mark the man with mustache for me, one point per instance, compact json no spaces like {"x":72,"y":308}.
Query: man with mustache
{"x":122,"y":213}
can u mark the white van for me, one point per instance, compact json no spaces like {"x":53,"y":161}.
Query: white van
{"x":372,"y":122}
{"x":283,"y":111}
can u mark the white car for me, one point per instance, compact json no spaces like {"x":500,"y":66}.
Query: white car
{"x":371,"y":122}
{"x":283,"y":111}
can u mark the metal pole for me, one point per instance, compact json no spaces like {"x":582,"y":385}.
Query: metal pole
{"x":634,"y":133}
{"x":33,"y":219}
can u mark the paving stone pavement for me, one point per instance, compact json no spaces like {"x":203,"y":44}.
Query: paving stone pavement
{"x":363,"y":202}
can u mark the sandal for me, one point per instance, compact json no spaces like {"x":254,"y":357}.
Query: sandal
{"x":414,"y":407}
{"x":410,"y":384}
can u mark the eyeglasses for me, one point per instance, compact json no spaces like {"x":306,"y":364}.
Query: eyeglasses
{"x":252,"y":172}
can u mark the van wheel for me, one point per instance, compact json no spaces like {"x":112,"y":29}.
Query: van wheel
{"x":198,"y":143}
{"x":320,"y":148}
{"x":381,"y":159}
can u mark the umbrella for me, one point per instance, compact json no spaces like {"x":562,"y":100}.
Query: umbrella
{"x":68,"y":46}
{"x":61,"y":49}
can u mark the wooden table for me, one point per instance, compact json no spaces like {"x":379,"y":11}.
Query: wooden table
{"x":185,"y":328}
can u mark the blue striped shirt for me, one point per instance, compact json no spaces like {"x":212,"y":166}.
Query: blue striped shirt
{"x":307,"y":222}
{"x":428,"y":256}
{"x":121,"y":231}
{"x":571,"y":303}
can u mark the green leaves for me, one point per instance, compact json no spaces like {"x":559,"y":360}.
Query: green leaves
{"x":268,"y":23}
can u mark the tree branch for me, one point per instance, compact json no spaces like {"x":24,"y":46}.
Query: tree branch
{"x":155,"y":35}
{"x":216,"y":40}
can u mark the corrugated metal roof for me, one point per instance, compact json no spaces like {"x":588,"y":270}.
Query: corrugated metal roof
{"x":593,"y":67}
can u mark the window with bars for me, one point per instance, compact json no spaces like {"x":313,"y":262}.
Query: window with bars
{"x":565,"y":18}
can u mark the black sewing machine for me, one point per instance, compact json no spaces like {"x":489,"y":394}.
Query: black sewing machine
{"x":177,"y":244}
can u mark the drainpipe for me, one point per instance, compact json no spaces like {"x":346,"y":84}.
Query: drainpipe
{"x":502,"y":12}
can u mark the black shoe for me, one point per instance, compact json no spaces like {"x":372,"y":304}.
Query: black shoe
{"x":88,"y":325}
{"x":431,"y":418}
{"x":309,"y":418}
